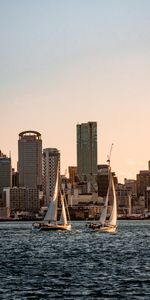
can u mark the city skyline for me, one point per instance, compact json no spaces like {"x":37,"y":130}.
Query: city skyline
{"x":69,"y":62}
{"x":66,"y":170}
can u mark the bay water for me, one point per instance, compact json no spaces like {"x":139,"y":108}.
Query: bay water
{"x":80,"y":264}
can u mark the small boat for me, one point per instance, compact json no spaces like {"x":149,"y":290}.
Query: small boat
{"x":110,"y":225}
{"x":50,"y":222}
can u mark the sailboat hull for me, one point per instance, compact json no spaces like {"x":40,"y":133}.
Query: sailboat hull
{"x":102,"y":228}
{"x":51,"y":227}
{"x":106,"y":229}
{"x":110,"y":225}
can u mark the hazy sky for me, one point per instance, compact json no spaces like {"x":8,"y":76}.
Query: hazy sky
{"x":64,"y":62}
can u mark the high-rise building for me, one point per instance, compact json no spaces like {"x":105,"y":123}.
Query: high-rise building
{"x":5,"y":173}
{"x":30,"y":159}
{"x":51,"y":163}
{"x":87,"y":151}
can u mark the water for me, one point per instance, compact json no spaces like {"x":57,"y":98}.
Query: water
{"x":80,"y":264}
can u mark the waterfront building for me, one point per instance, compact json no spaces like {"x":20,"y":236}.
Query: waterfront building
{"x":30,"y":159}
{"x":124,"y":205}
{"x":21,"y":199}
{"x":87,"y":152}
{"x":51,"y":163}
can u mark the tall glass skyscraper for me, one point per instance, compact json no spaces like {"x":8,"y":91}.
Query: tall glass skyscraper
{"x":30,"y":159}
{"x":87,"y":151}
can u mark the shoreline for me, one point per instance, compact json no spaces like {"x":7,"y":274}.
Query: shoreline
{"x":132,"y":218}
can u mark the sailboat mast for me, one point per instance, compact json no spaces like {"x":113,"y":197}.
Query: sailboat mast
{"x":66,"y":206}
{"x":109,"y":156}
{"x":108,"y":161}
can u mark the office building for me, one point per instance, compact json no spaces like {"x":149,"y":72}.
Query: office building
{"x":87,"y":151}
{"x":51,"y":163}
{"x":102,"y":180}
{"x":30,"y":159}
{"x":21,"y":199}
{"x":5,"y":173}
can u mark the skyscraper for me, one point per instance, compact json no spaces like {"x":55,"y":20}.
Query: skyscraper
{"x":5,"y":173}
{"x":51,"y":163}
{"x":30,"y":159}
{"x":87,"y":151}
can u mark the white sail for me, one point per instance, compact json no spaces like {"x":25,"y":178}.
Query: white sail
{"x":113,"y":216}
{"x":63,"y":217}
{"x":103,"y":225}
{"x":50,"y":221}
{"x":103,"y":215}
{"x":51,"y":214}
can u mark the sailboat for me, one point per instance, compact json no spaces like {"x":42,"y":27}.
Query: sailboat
{"x":103,"y":224}
{"x":50,"y":221}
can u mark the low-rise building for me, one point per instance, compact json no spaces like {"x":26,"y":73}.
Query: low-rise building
{"x":21,"y":199}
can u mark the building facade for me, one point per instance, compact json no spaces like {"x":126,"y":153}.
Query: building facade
{"x":5,"y":173}
{"x":87,"y":151}
{"x":30,"y":159}
{"x":72,"y":175}
{"x":143,"y":181}
{"x":21,"y":199}
{"x":51,"y":164}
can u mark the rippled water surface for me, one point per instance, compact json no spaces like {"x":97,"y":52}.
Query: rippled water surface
{"x":80,"y":264}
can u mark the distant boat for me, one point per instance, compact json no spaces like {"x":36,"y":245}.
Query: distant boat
{"x":110,"y":225}
{"x":50,"y":221}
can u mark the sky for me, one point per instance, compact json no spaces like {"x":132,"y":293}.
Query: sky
{"x":67,"y":62}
